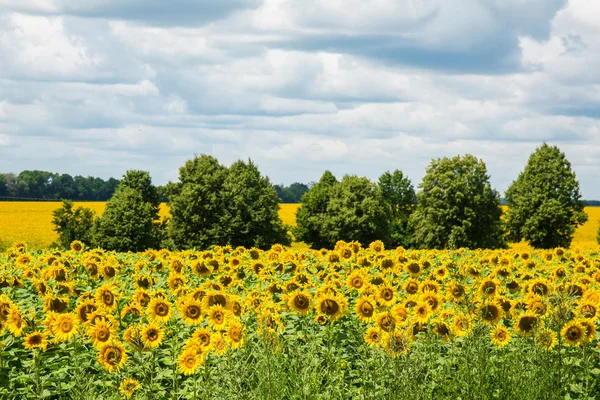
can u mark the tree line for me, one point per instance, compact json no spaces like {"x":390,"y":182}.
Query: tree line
{"x":454,"y":207}
{"x":44,"y":185}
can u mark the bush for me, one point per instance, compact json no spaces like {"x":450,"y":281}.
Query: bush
{"x":457,"y":206}
{"x":130,"y":221}
{"x":73,"y":224}
{"x":215,"y":205}
{"x":544,"y":205}
{"x":350,"y":210}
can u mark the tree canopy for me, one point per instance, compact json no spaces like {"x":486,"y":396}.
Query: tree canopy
{"x":457,"y":206}
{"x":544,"y":202}
{"x":400,"y":194}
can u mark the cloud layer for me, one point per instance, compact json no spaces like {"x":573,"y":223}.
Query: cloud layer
{"x":360,"y":87}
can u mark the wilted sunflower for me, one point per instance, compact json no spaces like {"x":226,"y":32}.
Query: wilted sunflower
{"x":36,"y":340}
{"x":188,"y":361}
{"x":365,"y":309}
{"x":500,"y":335}
{"x":159,"y":310}
{"x":64,"y":327}
{"x":300,"y":301}
{"x":217,"y":317}
{"x":112,"y":356}
{"x":128,"y":387}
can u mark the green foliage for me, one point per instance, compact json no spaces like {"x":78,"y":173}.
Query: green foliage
{"x":73,"y":224}
{"x":249,"y":216}
{"x":352,"y":209}
{"x":215,"y":205}
{"x":3,"y":185}
{"x":130,"y":220}
{"x":291,"y":194}
{"x":400,"y":194}
{"x":544,"y":203}
{"x":457,"y":206}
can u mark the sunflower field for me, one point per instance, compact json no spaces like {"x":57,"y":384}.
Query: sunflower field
{"x":347,"y":323}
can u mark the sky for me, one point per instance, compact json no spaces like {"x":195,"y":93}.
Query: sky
{"x":97,"y":87}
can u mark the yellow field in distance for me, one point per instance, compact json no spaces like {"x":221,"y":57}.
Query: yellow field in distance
{"x":31,"y":222}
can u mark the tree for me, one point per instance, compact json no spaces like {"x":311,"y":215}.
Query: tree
{"x":73,"y":224}
{"x":196,"y":204}
{"x":313,"y":211}
{"x":130,"y":219}
{"x":400,"y":194}
{"x":215,"y":205}
{"x":3,"y":185}
{"x":352,"y":209}
{"x":250,"y":213}
{"x":457,"y":206}
{"x":544,"y":203}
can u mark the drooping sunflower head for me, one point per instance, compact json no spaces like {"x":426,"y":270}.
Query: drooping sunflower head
{"x":526,"y":323}
{"x":56,"y":304}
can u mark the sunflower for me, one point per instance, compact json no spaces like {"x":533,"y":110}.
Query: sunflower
{"x":64,"y":327}
{"x":235,"y":334}
{"x":15,"y":322}
{"x":112,"y":356}
{"x":462,"y":325}
{"x":102,"y":332}
{"x":159,"y":310}
{"x":133,"y":337}
{"x":36,"y":340}
{"x":215,"y":297}
{"x":177,"y":283}
{"x":365,"y":309}
{"x":355,"y":280}
{"x":202,"y":337}
{"x":411,"y":286}
{"x":191,"y":311}
{"x":77,"y":246}
{"x":539,"y":287}
{"x":300,"y":301}
{"x":152,"y":336}
{"x":142,"y":298}
{"x":332,"y":306}
{"x":526,"y":323}
{"x":217,"y":317}
{"x":490,"y":313}
{"x":128,"y":387}
{"x":488,"y":287}
{"x":386,"y":321}
{"x":377,"y":246}
{"x":431,"y":299}
{"x":537,"y":305}
{"x":400,"y":313}
{"x":590,"y":329}
{"x":106,"y":296}
{"x":56,"y":304}
{"x":373,"y":336}
{"x":442,"y":329}
{"x":395,"y":343}
{"x":131,"y":309}
{"x":220,"y":344}
{"x":413,"y":268}
{"x":500,"y":335}
{"x":588,"y":310}
{"x":188,"y":361}
{"x":386,"y":295}
{"x":573,"y":333}
{"x":422,"y":312}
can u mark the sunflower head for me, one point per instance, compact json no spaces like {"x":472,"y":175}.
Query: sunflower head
{"x":112,"y":356}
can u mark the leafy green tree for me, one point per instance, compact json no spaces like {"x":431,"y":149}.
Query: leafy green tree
{"x":544,"y":202}
{"x":3,"y":185}
{"x":249,"y":216}
{"x":130,"y":219}
{"x":399,"y":193}
{"x":457,"y":206}
{"x":215,"y":205}
{"x":196,"y":204}
{"x":311,"y":215}
{"x":73,"y":224}
{"x":352,"y":209}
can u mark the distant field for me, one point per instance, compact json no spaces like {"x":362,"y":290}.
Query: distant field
{"x":32,"y":222}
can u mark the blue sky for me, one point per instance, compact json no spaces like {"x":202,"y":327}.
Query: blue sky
{"x":96,"y":87}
